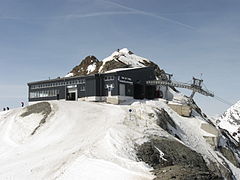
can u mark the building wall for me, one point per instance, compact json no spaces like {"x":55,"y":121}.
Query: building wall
{"x":57,"y":85}
{"x":81,"y":93}
{"x":60,"y":91}
{"x":129,"y":89}
{"x":139,"y":75}
{"x":108,"y":80}
{"x":93,"y":85}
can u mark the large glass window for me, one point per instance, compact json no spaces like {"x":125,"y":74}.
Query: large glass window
{"x":44,"y":93}
{"x":57,"y":84}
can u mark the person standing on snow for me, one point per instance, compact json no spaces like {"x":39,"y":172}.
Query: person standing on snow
{"x":22,"y":103}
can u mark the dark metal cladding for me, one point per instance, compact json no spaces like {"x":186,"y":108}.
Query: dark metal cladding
{"x":128,"y":82}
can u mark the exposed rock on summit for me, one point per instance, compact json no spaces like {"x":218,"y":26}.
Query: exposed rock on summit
{"x":89,"y":65}
{"x":119,"y":59}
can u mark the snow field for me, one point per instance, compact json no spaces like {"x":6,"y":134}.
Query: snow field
{"x":124,"y":56}
{"x":87,"y":140}
{"x":81,"y":140}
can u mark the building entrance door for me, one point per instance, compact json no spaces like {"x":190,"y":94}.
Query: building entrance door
{"x":71,"y":93}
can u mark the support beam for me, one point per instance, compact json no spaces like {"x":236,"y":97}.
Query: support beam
{"x":196,"y":86}
{"x":191,"y":97}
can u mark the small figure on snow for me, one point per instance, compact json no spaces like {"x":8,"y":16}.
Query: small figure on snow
{"x":22,"y":103}
{"x":4,"y":109}
{"x":7,"y":108}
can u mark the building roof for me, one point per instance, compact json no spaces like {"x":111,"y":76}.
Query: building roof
{"x":82,"y":76}
{"x":60,"y":79}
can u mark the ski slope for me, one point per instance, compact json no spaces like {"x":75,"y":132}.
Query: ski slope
{"x":80,"y":141}
{"x":88,"y":140}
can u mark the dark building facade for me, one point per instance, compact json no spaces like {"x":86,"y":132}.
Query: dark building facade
{"x":112,"y":86}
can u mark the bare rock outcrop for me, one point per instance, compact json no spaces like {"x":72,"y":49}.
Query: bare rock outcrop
{"x":173,"y":160}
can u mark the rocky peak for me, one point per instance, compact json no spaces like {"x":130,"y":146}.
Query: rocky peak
{"x":87,"y":66}
{"x":121,"y":58}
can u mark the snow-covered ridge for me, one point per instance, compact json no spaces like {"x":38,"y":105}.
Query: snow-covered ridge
{"x":69,"y":75}
{"x":127,"y":57}
{"x":233,"y":114}
{"x":230,"y":121}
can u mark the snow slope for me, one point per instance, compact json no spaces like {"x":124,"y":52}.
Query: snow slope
{"x":91,"y":68}
{"x":125,"y":57}
{"x":87,"y":140}
{"x":80,"y":141}
{"x":230,"y":121}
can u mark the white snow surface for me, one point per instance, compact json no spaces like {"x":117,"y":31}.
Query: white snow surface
{"x":87,"y":140}
{"x":230,"y":120}
{"x":81,"y":140}
{"x":69,"y":75}
{"x":123,"y":55}
{"x":120,"y":69}
{"x":91,"y":68}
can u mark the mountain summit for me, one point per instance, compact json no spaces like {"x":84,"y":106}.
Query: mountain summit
{"x":122,"y":58}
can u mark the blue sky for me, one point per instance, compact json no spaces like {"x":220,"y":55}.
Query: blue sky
{"x":42,"y":39}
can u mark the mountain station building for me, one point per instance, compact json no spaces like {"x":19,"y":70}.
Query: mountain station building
{"x":113,"y":86}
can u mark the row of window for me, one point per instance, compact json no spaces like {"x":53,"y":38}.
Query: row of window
{"x":63,"y":83}
{"x":108,"y":78}
{"x":45,"y":93}
{"x":125,"y":78}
